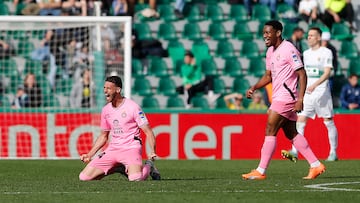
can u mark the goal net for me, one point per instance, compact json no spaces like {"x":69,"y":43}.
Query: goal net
{"x":52,"y":71}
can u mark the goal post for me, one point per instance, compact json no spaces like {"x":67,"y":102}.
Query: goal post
{"x":55,"y":128}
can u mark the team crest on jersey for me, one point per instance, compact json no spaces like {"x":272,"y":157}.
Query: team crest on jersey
{"x":278,"y":57}
{"x":123,"y":114}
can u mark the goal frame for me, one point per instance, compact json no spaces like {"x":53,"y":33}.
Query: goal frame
{"x":127,"y":20}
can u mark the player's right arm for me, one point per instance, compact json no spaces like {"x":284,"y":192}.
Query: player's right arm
{"x":265,"y":79}
{"x":99,"y":143}
{"x":325,"y":76}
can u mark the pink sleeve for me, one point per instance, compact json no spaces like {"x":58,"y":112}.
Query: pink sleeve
{"x":140,"y":117}
{"x":295,"y":58}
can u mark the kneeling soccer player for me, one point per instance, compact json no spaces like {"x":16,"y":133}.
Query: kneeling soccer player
{"x":122,"y":119}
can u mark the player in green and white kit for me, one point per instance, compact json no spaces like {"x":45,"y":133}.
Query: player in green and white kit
{"x":317,"y":99}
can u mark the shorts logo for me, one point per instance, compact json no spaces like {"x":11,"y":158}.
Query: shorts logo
{"x":101,"y":155}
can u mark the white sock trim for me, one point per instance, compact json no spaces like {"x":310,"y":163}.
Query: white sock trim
{"x":261,"y":170}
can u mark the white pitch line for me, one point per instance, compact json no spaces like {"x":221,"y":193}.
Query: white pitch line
{"x":324,"y":186}
{"x":163,"y":191}
{"x":317,"y":188}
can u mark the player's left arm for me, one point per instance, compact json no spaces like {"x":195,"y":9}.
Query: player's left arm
{"x":302,"y":78}
{"x":150,"y":139}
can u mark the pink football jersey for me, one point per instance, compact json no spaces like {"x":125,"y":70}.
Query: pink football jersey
{"x":283,"y":62}
{"x":124,"y":124}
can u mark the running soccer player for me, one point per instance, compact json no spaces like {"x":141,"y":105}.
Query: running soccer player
{"x":317,"y":99}
{"x":122,"y":119}
{"x":285,"y":70}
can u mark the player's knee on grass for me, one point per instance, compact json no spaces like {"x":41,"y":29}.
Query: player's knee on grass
{"x":84,"y":177}
{"x":136,"y":176}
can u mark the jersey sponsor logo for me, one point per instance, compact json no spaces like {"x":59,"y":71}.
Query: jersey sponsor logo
{"x":117,"y":128}
{"x":312,"y":71}
{"x":116,"y":123}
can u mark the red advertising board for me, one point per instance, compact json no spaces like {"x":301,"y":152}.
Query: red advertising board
{"x":178,"y":135}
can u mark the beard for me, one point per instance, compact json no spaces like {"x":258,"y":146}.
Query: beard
{"x":116,"y":97}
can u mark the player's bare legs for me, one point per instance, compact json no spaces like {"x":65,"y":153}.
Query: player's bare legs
{"x":275,"y":122}
{"x":138,"y":172}
{"x":135,"y":173}
{"x":91,"y":173}
{"x":301,"y":144}
{"x":300,"y":127}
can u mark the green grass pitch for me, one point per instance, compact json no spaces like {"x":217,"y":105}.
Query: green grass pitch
{"x":182,"y":181}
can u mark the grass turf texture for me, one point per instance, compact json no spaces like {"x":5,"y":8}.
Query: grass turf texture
{"x":182,"y":181}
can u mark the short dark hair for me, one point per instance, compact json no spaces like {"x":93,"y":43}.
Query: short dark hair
{"x":353,"y":75}
{"x":189,"y":53}
{"x":275,"y":24}
{"x":317,"y":29}
{"x":115,"y":79}
{"x":298,"y":29}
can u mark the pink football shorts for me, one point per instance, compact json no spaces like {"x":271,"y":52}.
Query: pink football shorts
{"x":285,"y":109}
{"x":109,"y":158}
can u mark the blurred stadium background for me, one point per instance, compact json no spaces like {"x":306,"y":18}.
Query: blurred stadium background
{"x":226,"y":40}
